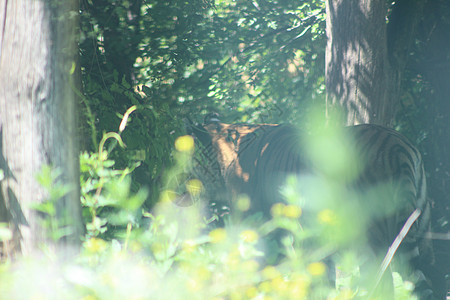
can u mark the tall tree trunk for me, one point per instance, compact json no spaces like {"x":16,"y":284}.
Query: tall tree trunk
{"x":38,"y":115}
{"x":366,"y":55}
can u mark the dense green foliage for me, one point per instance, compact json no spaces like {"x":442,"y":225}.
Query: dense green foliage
{"x":174,"y":59}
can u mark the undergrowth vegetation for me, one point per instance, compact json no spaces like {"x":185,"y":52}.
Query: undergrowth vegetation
{"x":175,"y":252}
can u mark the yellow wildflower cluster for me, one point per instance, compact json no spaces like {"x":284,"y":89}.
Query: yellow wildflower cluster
{"x":316,"y":268}
{"x":194,"y":187}
{"x":290,"y":210}
{"x":199,"y":277}
{"x":243,"y":203}
{"x":189,"y":246}
{"x":275,"y":285}
{"x":327,"y":217}
{"x":167,"y":196}
{"x":184,"y":143}
{"x":95,"y":245}
{"x":249,"y":236}
{"x":218,"y":235}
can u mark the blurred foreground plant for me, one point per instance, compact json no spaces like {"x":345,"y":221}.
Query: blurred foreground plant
{"x":171,"y":252}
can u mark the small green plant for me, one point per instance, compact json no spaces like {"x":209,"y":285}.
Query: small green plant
{"x":54,"y":223}
{"x":105,"y":191}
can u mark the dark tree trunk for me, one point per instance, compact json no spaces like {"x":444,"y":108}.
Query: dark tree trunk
{"x":38,"y":79}
{"x":365,"y":57}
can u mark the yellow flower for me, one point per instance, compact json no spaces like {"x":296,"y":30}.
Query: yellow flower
{"x":202,"y":273}
{"x":194,"y":285}
{"x":167,"y":196}
{"x":279,"y":284}
{"x":250,"y":266}
{"x":265,"y":287}
{"x":218,"y":235}
{"x":243,"y":203}
{"x":233,"y":259}
{"x":277,"y":209}
{"x":251,"y":292}
{"x":270,"y":272}
{"x":194,"y":187}
{"x":316,"y":268}
{"x":184,"y":143}
{"x":89,"y":297}
{"x":236,"y":295}
{"x":95,"y":245}
{"x":327,"y":217}
{"x":292,"y":211}
{"x":189,"y":246}
{"x":299,"y":285}
{"x":158,"y":249}
{"x":249,"y":236}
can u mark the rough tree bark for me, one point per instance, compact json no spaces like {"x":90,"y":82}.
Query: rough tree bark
{"x":37,"y":115}
{"x":366,"y":55}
